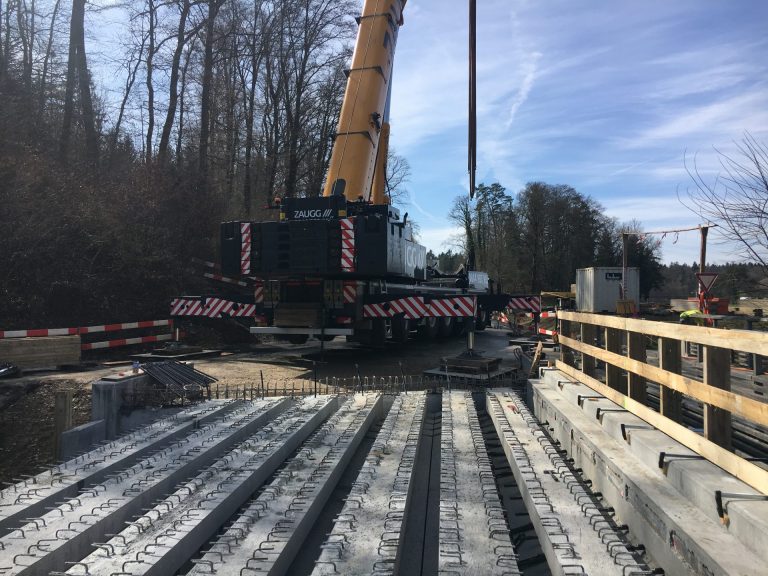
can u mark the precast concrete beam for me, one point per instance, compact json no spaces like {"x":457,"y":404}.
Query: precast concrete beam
{"x":367,"y":534}
{"x":166,"y":537}
{"x":30,"y":498}
{"x":695,"y":478}
{"x":577,"y":533}
{"x":67,"y":532}
{"x":474,"y":537}
{"x":266,"y":538}
{"x":677,"y":535}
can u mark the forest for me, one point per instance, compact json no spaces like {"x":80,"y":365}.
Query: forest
{"x":224,"y":105}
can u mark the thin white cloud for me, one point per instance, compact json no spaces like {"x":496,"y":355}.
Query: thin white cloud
{"x":525,"y":87}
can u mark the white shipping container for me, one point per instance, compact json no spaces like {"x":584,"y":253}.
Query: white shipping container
{"x":598,"y":289}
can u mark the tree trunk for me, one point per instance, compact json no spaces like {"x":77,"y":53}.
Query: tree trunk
{"x":86,"y":103}
{"x":69,"y":92}
{"x":205,"y":98}
{"x":150,"y":85}
{"x":129,"y":81}
{"x":46,"y":60}
{"x":180,"y":132}
{"x":173,"y":89}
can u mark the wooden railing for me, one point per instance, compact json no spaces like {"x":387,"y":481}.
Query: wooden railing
{"x":622,"y":347}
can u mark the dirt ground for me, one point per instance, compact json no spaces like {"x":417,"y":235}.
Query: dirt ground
{"x":26,"y":404}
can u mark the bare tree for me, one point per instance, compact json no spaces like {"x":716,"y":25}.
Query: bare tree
{"x":737,"y":199}
{"x":173,"y":89}
{"x":398,"y":175}
{"x":205,"y":97}
{"x":77,"y":70}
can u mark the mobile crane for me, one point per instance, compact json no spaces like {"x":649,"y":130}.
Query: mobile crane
{"x":346,"y":263}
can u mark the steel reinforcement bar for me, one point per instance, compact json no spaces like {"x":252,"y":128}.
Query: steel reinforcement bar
{"x":473,"y":527}
{"x":367,"y":533}
{"x":577,"y":532}
{"x":166,"y":537}
{"x":66,"y":532}
{"x":266,"y":538}
{"x":29,"y":499}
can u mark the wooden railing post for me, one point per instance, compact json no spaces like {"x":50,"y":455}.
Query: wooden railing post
{"x":565,"y":330}
{"x":717,"y":373}
{"x":671,"y":401}
{"x":588,"y":333}
{"x":636,"y":351}
{"x":613,"y":374}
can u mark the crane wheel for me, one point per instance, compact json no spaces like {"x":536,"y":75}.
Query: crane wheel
{"x":298,"y":338}
{"x":428,"y":328}
{"x":481,"y":321}
{"x":445,"y":327}
{"x":461,"y":326}
{"x":400,"y":329}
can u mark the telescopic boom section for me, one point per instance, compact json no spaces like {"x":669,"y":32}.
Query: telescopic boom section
{"x":353,"y":160}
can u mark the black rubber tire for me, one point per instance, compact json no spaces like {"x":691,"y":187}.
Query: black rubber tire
{"x":298,"y":338}
{"x":378,"y":332}
{"x":461,"y":326}
{"x":428,"y":328}
{"x":445,"y":327}
{"x":400,"y":329}
{"x":481,"y":321}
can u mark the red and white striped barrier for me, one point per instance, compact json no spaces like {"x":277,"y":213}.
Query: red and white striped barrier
{"x":82,"y":329}
{"x":528,"y":303}
{"x":211,"y":308}
{"x":547,"y":332}
{"x":542,"y":315}
{"x":258,"y":293}
{"x":226,"y":279}
{"x":245,"y":247}
{"x":126,"y":342}
{"x":347,"y":244}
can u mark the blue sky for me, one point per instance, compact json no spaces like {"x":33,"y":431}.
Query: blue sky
{"x":607,"y":97}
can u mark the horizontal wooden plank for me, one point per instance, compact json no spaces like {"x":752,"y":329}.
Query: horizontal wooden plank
{"x":748,"y":408}
{"x":742,"y":469}
{"x":741,"y":340}
{"x":43,"y":352}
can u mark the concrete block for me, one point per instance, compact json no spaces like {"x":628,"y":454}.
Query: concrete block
{"x":81,"y":438}
{"x":677,"y":533}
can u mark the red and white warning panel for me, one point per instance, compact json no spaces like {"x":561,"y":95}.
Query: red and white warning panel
{"x":457,"y":306}
{"x":258,"y":292}
{"x":528,"y":303}
{"x":416,"y":307}
{"x":350,"y":292}
{"x":82,"y":330}
{"x":211,"y":308}
{"x":245,"y":248}
{"x":347,"y":244}
{"x":412,"y":308}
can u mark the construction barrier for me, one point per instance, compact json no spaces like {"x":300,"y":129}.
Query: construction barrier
{"x":102,"y":328}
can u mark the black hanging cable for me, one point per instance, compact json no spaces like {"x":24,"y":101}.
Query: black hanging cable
{"x":472,"y":123}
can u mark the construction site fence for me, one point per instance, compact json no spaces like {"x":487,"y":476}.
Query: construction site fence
{"x":610,"y":355}
{"x":352,"y":385}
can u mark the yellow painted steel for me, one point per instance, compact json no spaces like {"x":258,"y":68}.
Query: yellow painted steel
{"x":378,"y":189}
{"x":353,"y":160}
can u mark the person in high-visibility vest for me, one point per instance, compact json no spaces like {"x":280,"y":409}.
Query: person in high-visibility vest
{"x":692,"y":317}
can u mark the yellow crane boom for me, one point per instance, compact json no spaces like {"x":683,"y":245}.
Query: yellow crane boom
{"x":362,"y":121}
